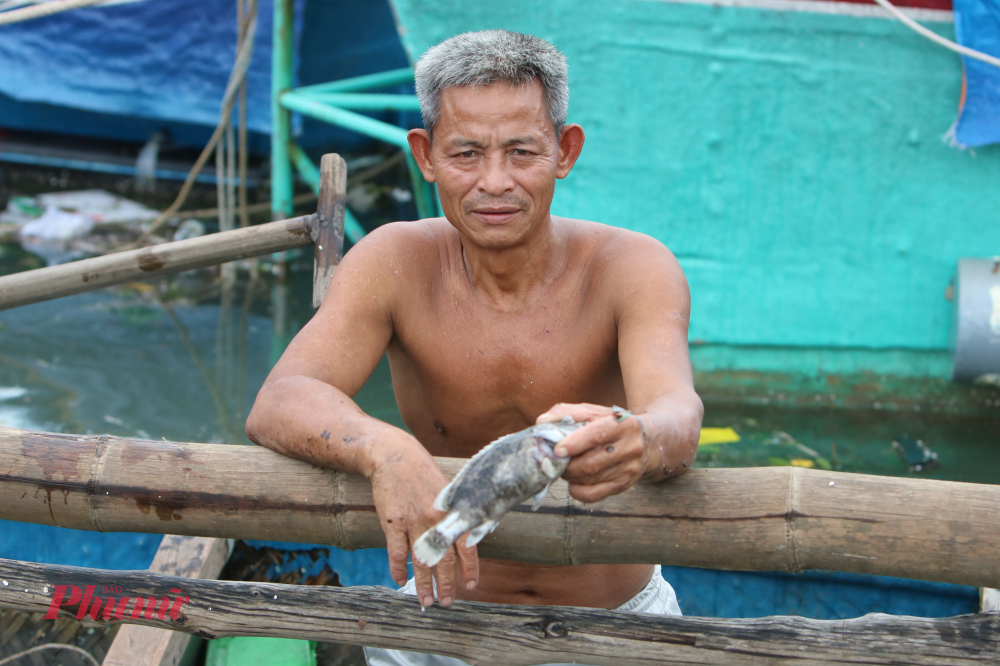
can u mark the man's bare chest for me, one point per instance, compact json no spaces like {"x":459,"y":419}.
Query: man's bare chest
{"x":468,"y":365}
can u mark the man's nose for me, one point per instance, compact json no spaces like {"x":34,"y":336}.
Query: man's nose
{"x":495,"y":178}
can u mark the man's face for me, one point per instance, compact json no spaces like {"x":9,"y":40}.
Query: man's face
{"x":495,"y":157}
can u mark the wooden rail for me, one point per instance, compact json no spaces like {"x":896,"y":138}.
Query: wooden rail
{"x":187,"y":557}
{"x":751,"y":519}
{"x":44,"y":284}
{"x":326,"y":228}
{"x":497,"y":634}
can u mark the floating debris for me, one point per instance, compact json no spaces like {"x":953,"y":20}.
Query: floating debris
{"x":63,"y":226}
{"x":189,"y":229}
{"x":915,"y":453}
{"x":710,"y":436}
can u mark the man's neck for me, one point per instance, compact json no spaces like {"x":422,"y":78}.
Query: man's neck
{"x":508,"y":277}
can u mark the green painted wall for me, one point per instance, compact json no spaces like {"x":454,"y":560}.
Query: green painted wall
{"x":791,"y":160}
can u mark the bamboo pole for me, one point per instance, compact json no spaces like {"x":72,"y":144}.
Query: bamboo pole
{"x":491,"y":633}
{"x":751,"y":519}
{"x":73,"y":278}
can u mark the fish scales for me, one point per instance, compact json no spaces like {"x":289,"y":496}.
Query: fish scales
{"x":511,"y":473}
{"x":495,"y":480}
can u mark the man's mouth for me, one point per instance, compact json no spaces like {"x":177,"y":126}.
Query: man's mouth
{"x":496,"y":215}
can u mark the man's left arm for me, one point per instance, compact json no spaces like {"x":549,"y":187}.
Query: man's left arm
{"x":652,"y":305}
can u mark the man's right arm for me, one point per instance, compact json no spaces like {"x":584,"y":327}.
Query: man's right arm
{"x":304,"y":409}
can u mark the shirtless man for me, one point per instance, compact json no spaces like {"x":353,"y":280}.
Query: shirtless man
{"x":494,"y":317}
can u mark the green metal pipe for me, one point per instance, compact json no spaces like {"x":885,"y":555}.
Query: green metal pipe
{"x":366,"y":101}
{"x":377,"y":129}
{"x":393,"y":77}
{"x":307,"y":169}
{"x":352,"y":228}
{"x":423,"y":192}
{"x":305,"y":166}
{"x":282,"y":55}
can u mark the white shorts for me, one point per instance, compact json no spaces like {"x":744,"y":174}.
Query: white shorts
{"x":657,"y":597}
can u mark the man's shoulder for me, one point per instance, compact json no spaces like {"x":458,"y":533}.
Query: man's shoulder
{"x":403,"y":235}
{"x":618,"y":248}
{"x":400,"y":243}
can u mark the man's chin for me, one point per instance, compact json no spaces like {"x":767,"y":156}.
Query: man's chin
{"x":497,"y":237}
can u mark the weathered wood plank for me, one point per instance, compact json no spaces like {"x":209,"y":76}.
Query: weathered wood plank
{"x":755,"y":519}
{"x":516,"y":635}
{"x":330,"y":231}
{"x":186,"y":557}
{"x":87,"y":274}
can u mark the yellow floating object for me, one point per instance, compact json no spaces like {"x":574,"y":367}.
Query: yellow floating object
{"x":801,"y":462}
{"x":717,"y":436}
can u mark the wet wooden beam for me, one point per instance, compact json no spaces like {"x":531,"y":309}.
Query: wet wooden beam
{"x":186,"y":557}
{"x":749,"y":519}
{"x":45,"y":284}
{"x":330,"y":227}
{"x":506,"y":635}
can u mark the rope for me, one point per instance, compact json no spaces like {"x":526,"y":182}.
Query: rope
{"x":243,"y":150}
{"x":49,"y":646}
{"x":934,"y":37}
{"x":45,"y":9}
{"x":236,"y":79}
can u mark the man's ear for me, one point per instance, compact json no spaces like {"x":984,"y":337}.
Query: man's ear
{"x":420,"y":146}
{"x":570,"y":146}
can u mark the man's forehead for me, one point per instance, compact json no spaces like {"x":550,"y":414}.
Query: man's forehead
{"x":519,"y":112}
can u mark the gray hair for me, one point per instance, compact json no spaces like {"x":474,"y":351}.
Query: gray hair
{"x":487,"y":57}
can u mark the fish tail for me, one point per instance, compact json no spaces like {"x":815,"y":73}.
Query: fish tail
{"x":435,"y":542}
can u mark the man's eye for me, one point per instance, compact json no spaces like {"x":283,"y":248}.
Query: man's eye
{"x":521,"y":151}
{"x":468,"y":153}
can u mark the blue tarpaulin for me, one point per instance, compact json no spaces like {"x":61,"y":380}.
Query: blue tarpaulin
{"x":123,"y":71}
{"x":157,"y":60}
{"x":977,"y":26}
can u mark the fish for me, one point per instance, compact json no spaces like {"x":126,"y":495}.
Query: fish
{"x":503,"y":474}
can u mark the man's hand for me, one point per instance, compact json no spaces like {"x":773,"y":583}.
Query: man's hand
{"x":404,"y":486}
{"x":609,"y":456}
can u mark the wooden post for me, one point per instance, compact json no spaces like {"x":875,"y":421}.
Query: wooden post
{"x":749,"y":519}
{"x":187,"y":557}
{"x":330,"y":230}
{"x":44,"y":284}
{"x":510,"y":635}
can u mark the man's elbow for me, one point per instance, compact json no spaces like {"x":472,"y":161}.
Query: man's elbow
{"x":259,"y":418}
{"x":253,"y":425}
{"x":690,"y":434}
{"x":252,"y":428}
{"x":695,"y":418}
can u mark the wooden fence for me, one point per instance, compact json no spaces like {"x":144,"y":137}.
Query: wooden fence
{"x":750,"y":519}
{"x":497,"y":634}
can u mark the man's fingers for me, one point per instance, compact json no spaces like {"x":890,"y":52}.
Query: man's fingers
{"x":468,"y":561}
{"x":577,"y":412}
{"x":598,"y":432}
{"x":601,"y":462}
{"x":445,"y":574}
{"x":425,"y":584}
{"x":396,"y":544}
{"x":597,"y":491}
{"x":624,"y":472}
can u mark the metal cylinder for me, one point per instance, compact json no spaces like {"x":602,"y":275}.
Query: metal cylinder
{"x":977,"y":311}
